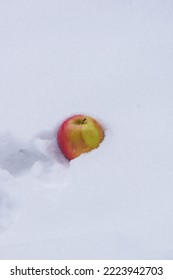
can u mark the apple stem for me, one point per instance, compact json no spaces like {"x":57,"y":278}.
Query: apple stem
{"x":83,"y":120}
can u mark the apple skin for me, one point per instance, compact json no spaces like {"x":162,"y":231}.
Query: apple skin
{"x":79,"y":134}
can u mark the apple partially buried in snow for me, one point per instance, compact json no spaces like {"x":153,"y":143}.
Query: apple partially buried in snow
{"x":79,"y":134}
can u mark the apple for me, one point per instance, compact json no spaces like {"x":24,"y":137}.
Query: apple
{"x":79,"y":134}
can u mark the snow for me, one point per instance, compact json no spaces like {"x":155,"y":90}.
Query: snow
{"x":112,"y":60}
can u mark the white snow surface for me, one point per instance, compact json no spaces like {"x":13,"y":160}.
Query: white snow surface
{"x":112,"y":60}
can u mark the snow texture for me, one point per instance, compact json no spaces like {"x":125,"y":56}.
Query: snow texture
{"x":112,"y":60}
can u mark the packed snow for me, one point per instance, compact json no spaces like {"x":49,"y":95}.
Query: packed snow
{"x":112,"y":60}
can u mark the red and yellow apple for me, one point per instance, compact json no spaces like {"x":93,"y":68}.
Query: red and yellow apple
{"x":79,"y":134}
